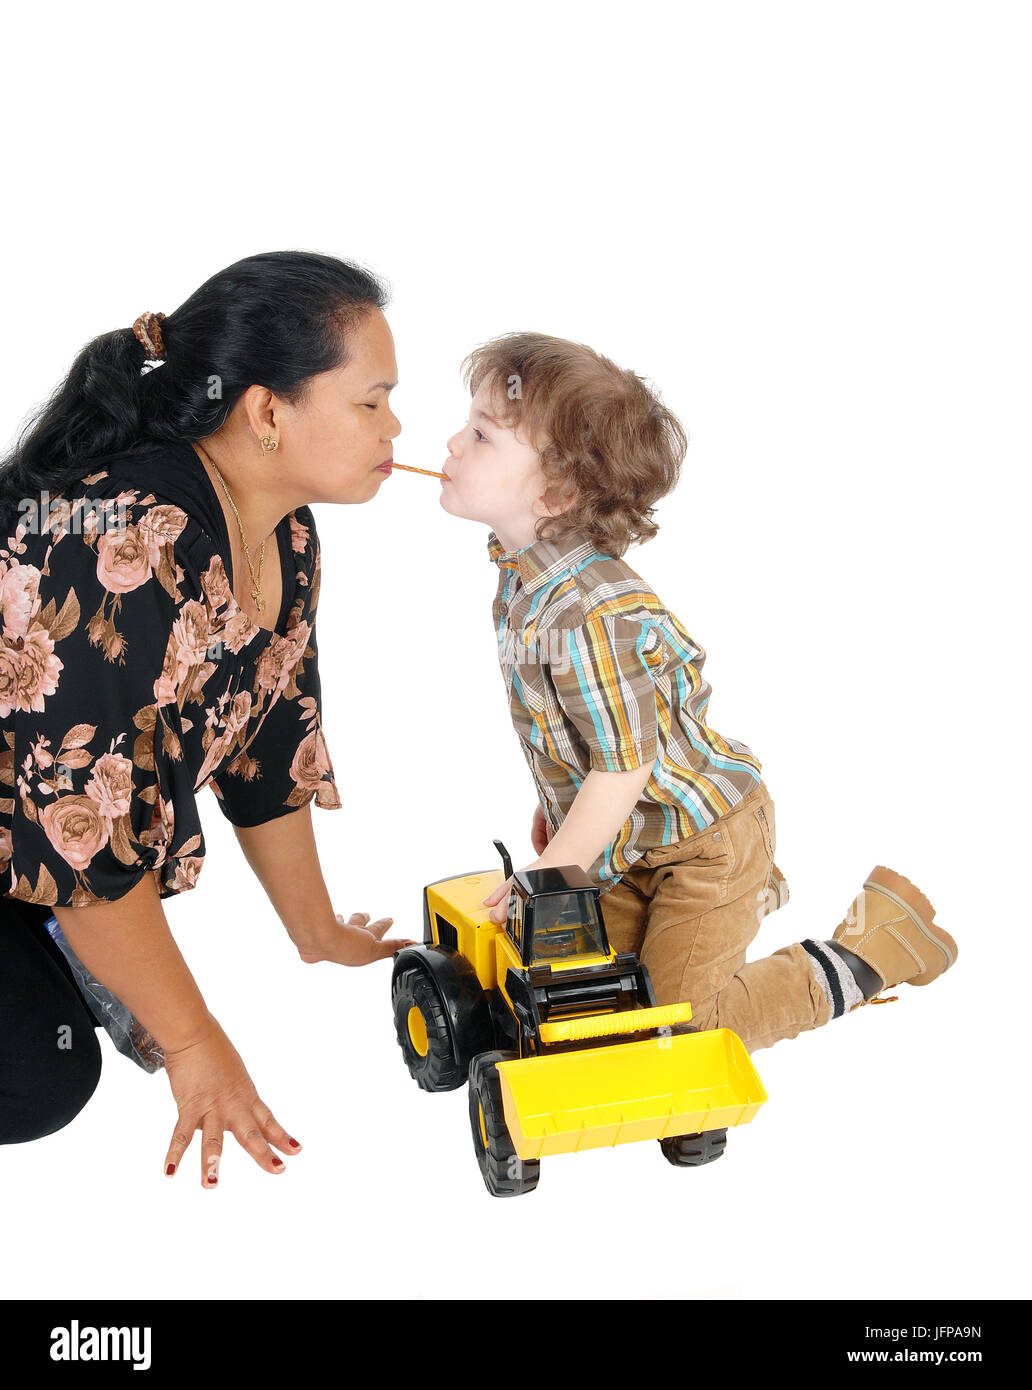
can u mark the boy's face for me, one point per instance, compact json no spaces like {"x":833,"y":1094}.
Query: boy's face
{"x":492,"y":476}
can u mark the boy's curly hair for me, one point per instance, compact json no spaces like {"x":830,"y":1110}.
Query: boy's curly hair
{"x":604,"y":438}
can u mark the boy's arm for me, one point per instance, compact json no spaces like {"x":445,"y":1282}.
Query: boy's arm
{"x":604,"y":691}
{"x":599,"y":809}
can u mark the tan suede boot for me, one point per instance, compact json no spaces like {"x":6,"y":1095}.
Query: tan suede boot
{"x":889,"y":926}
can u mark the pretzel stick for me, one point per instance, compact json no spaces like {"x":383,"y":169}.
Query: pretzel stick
{"x":409,"y":469}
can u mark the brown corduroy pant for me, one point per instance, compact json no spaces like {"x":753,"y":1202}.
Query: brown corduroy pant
{"x":689,"y":912}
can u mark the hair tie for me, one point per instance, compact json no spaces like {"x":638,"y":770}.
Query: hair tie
{"x":147,"y":329}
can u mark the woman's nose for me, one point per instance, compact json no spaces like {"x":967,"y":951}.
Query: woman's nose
{"x":394,"y":425}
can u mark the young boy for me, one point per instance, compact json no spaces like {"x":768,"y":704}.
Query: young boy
{"x":564,"y":456}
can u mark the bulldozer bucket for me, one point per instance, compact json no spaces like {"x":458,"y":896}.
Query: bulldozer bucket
{"x":597,"y":1097}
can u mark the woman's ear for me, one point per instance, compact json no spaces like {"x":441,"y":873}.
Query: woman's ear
{"x":260,"y":411}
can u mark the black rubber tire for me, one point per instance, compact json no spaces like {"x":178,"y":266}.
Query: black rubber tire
{"x":437,"y":1070}
{"x":504,"y":1174}
{"x":694,"y":1150}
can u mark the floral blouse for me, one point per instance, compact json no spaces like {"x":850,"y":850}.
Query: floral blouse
{"x":130,"y":679}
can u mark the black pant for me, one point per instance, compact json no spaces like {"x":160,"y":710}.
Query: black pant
{"x":49,"y":1053}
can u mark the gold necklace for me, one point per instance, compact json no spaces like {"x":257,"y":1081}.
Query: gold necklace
{"x":256,"y":592}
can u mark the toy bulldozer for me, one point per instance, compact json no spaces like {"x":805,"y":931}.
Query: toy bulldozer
{"x":559,"y":1037}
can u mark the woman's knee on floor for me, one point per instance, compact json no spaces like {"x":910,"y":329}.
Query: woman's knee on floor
{"x":43,"y":1090}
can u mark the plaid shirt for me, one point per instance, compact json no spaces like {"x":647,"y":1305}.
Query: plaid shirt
{"x":601,"y":675}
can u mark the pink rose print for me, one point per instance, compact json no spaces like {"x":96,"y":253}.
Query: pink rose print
{"x":191,"y":634}
{"x":311,"y":761}
{"x":75,"y":827}
{"x":298,"y":535}
{"x":160,"y":526}
{"x":277,"y":662}
{"x":111,"y":785}
{"x":234,"y":722}
{"x":8,"y":680}
{"x":123,"y":560}
{"x":215,"y":583}
{"x":186,"y":873}
{"x":19,"y":598}
{"x":28,"y":672}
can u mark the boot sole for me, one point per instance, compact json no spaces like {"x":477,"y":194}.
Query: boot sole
{"x":918,"y":909}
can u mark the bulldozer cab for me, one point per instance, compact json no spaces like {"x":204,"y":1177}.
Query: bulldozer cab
{"x":562,"y":925}
{"x":554,"y":915}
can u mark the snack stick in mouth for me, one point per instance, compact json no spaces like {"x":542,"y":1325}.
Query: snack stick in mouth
{"x":409,"y":469}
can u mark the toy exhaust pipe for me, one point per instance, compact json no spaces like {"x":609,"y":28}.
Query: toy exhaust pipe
{"x":562,"y":1102}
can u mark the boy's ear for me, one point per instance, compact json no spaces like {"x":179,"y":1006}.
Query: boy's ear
{"x":555,"y":500}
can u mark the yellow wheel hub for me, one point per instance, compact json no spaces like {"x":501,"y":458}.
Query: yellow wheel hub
{"x":417,"y":1031}
{"x":483,"y":1125}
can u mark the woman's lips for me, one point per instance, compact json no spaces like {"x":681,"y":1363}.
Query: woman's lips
{"x":384,"y":467}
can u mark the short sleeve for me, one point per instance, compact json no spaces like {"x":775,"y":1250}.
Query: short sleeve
{"x":285,"y":762}
{"x":91,"y":732}
{"x":604,"y":687}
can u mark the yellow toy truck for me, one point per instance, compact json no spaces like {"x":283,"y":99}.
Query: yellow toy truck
{"x":560,"y":1037}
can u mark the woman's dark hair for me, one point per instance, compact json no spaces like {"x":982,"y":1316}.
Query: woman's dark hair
{"x":274,"y":320}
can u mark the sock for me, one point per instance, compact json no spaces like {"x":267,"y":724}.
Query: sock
{"x":834,"y":976}
{"x":867,"y":978}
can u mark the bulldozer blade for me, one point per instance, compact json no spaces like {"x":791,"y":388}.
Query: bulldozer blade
{"x":653,"y":1089}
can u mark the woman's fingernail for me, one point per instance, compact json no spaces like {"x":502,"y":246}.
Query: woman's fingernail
{"x":277,"y":1160}
{"x":293,"y":1142}
{"x":170,"y":1170}
{"x":213,"y":1169}
{"x":212,"y":1182}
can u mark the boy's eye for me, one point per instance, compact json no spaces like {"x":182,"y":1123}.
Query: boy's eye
{"x":481,"y":438}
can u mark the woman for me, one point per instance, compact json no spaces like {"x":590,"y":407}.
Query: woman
{"x":159,"y":578}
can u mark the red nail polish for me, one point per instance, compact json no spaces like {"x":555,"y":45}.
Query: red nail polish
{"x":293,"y":1141}
{"x":212,"y":1181}
{"x":278,"y":1161}
{"x":170,"y":1170}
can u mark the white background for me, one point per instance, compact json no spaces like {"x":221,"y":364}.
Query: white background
{"x":808,"y":225}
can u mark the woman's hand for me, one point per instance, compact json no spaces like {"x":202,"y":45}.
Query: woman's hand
{"x":354,"y":942}
{"x":540,"y":831}
{"x":214,"y":1093}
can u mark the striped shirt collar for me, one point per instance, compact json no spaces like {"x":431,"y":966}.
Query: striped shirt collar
{"x":543,"y":560}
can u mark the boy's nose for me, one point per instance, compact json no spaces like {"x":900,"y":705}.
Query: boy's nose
{"x":453,"y":444}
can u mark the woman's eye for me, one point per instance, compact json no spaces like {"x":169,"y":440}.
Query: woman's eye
{"x":372,"y":406}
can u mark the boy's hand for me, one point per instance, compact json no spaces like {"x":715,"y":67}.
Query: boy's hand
{"x":498,"y":901}
{"x":540,"y":831}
